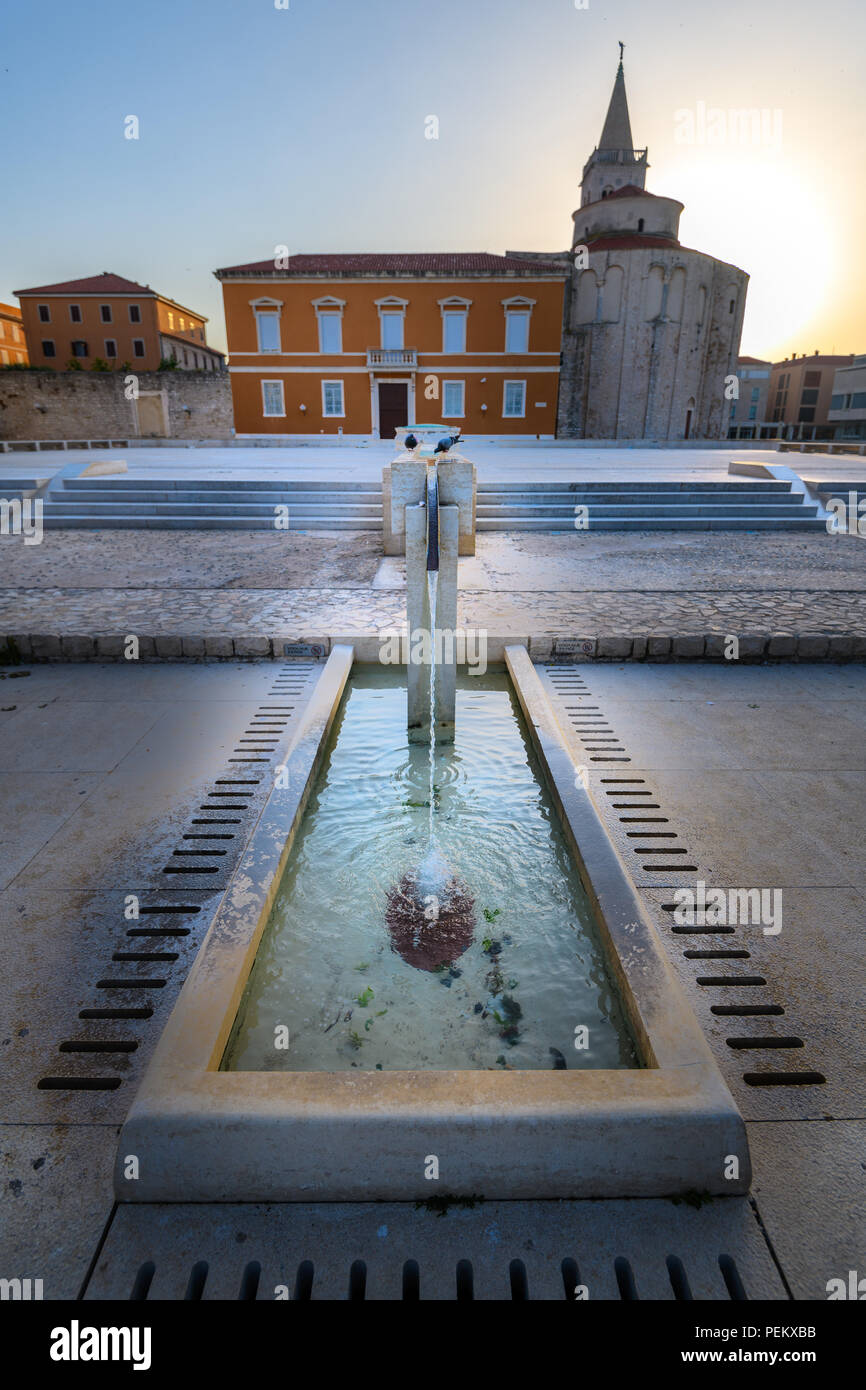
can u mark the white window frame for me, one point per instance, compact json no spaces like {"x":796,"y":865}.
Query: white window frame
{"x":388,"y":317}
{"x":108,"y":354}
{"x":143,"y":352}
{"x":511,"y":414}
{"x":102,"y":318}
{"x":334,"y":414}
{"x":273,"y":414}
{"x":511,"y":318}
{"x":44,"y":344}
{"x":454,"y":414}
{"x":47,"y":308}
{"x":321,"y":315}
{"x":518,"y":304}
{"x":72,"y":318}
{"x":130,"y":308}
{"x":269,"y":316}
{"x":392,"y":306}
{"x":455,"y":305}
{"x":462,"y":317}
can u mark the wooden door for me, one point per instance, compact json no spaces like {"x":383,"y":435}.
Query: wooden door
{"x":393,"y":407}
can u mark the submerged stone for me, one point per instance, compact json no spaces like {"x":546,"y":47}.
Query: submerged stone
{"x":428,"y":929}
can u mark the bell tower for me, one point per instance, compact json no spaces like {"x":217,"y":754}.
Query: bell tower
{"x":614,"y":162}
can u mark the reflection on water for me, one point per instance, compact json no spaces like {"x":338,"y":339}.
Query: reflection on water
{"x":500,"y":967}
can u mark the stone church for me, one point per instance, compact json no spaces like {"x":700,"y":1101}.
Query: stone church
{"x":650,"y":328}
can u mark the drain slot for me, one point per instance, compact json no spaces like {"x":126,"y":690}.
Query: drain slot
{"x":761,"y":1043}
{"x":784,"y":1078}
{"x":158,"y":931}
{"x":85,"y":1045}
{"x":746,"y":1010}
{"x":115,"y":1013}
{"x":130,"y":984}
{"x":78,"y":1083}
{"x":714,"y":981}
{"x":717,"y":955}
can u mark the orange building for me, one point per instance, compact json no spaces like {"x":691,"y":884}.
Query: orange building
{"x":359,"y":344}
{"x":107,"y":319}
{"x":13,"y":344}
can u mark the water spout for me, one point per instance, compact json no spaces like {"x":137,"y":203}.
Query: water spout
{"x":432,"y":519}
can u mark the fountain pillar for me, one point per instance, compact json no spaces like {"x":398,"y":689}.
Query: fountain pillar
{"x":423,"y":634}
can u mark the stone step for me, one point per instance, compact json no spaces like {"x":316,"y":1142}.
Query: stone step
{"x":837,"y":489}
{"x":220,"y":484}
{"x":199,"y":508}
{"x":658,"y":523}
{"x":562,"y":499}
{"x":624,"y":509}
{"x":641,"y":485}
{"x":80,"y":520}
{"x":193,"y":497}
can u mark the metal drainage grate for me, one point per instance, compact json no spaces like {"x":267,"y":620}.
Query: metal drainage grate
{"x":412,"y":1281}
{"x":583,"y":718}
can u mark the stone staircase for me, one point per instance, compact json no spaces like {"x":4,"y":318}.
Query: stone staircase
{"x":241,"y":505}
{"x":210,"y":504}
{"x":731,"y":505}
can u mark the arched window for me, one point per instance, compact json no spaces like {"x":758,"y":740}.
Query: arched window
{"x":611,"y":294}
{"x":653,"y":292}
{"x":587,"y":296}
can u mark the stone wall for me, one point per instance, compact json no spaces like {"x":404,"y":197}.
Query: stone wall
{"x":93,"y":405}
{"x":648,"y":335}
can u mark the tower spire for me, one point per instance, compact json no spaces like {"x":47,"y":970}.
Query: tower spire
{"x":614,"y":162}
{"x":616,"y":134}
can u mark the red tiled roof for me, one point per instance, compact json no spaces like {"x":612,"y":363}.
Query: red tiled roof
{"x":629,"y":241}
{"x":753,"y":362}
{"x":456,"y":263}
{"x":106,"y":283}
{"x":630,"y":190}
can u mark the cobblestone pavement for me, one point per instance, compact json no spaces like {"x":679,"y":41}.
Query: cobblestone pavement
{"x":329,"y":611}
{"x":198,"y":584}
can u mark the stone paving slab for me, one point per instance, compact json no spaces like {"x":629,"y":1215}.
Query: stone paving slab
{"x":810,"y":1186}
{"x":57,"y":1198}
{"x":31,"y":812}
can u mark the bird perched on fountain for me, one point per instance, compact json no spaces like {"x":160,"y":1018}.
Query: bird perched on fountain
{"x":446,"y":442}
{"x":410,"y":442}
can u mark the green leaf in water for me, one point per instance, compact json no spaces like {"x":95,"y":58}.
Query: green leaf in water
{"x":491,"y":913}
{"x":381,"y":1013}
{"x":487,"y":943}
{"x":368,"y":1025}
{"x":356,"y":1040}
{"x":364,"y":999}
{"x":365,"y":965}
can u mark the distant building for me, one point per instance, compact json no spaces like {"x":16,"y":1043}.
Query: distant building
{"x":361,"y":344}
{"x":800,"y":392}
{"x":13,"y":345}
{"x":108,"y":320}
{"x":652,"y":328}
{"x":847,"y":413}
{"x":748,"y":413}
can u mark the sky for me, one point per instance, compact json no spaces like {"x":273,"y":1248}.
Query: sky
{"x":306,"y":126}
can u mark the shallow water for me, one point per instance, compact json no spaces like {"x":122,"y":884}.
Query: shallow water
{"x":328,"y":968}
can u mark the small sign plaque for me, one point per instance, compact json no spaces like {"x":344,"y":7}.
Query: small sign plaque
{"x":313,"y":650}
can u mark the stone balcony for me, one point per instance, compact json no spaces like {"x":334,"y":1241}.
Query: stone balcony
{"x":392,"y":357}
